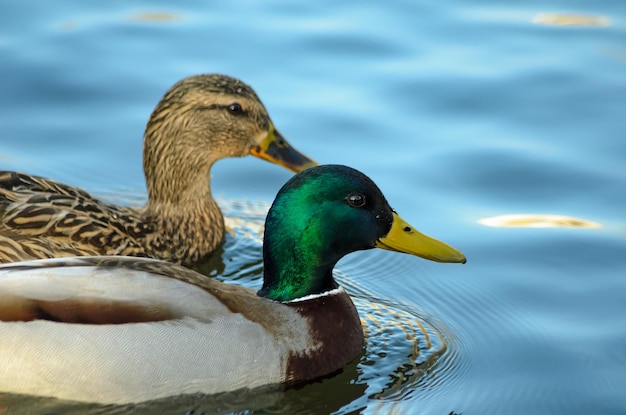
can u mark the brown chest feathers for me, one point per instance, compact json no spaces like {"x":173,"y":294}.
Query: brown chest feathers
{"x":335,"y":327}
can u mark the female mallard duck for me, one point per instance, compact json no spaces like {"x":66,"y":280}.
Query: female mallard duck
{"x":200,"y":120}
{"x":122,"y":330}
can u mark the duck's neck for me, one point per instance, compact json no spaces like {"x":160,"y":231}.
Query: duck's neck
{"x":186,"y":223}
{"x":292,"y":280}
{"x":187,"y":231}
{"x":296,"y":262}
{"x":175,"y":171}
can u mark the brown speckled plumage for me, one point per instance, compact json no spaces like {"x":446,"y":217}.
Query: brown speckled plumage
{"x":191,"y":127}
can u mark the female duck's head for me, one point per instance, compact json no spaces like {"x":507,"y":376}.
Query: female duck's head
{"x":324,"y":213}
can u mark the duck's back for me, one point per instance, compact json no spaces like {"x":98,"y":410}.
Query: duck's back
{"x":41,"y":218}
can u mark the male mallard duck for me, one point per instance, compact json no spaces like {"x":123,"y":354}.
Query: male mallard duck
{"x":200,"y":120}
{"x":122,"y":330}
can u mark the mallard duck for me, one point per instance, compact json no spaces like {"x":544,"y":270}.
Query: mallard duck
{"x":200,"y":120}
{"x":122,"y":330}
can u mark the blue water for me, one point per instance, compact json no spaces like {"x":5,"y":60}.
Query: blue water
{"x":460,"y":111}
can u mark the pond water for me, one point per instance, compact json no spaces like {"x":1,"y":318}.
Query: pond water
{"x":459,"y":111}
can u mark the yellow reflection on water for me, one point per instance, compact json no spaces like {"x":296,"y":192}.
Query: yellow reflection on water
{"x":557,"y":19}
{"x":538,"y":221}
{"x":142,"y":17}
{"x":155,"y":17}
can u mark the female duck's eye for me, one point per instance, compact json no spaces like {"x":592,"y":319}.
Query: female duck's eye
{"x":235,"y":108}
{"x":356,"y":200}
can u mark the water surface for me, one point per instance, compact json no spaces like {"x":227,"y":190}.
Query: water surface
{"x":460,"y":111}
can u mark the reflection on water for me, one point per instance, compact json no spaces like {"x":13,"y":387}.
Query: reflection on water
{"x":138,"y":17}
{"x":538,"y":221}
{"x":553,"y":19}
{"x":155,"y":17}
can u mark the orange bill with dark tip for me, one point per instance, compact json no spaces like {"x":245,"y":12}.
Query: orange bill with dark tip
{"x":276,"y":149}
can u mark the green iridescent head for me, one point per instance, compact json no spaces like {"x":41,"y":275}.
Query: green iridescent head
{"x":324,"y":213}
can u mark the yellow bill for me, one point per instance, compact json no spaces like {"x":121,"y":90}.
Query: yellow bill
{"x":276,"y":149}
{"x":404,"y":238}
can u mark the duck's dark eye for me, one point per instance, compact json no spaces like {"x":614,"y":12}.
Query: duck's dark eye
{"x":356,"y":200}
{"x":235,"y":108}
